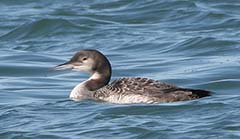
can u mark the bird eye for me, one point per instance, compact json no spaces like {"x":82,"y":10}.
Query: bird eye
{"x":84,"y":59}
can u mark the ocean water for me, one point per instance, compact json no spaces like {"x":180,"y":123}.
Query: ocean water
{"x":190,"y":43}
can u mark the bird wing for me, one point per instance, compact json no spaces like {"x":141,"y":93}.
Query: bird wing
{"x":155,"y":90}
{"x":142,"y":86}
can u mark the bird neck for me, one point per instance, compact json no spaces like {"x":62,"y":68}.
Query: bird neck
{"x":97,"y":81}
{"x":85,"y":90}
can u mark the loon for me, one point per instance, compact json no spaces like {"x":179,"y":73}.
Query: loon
{"x":125,"y":90}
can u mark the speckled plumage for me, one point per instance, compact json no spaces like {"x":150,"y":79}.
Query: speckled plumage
{"x":144,"y":90}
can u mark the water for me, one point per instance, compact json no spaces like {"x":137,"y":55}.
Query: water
{"x":190,"y":43}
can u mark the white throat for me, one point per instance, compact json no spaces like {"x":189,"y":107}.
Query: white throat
{"x":81,"y":92}
{"x":95,"y":75}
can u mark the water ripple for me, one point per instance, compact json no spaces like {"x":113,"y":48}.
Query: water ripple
{"x":41,"y":29}
{"x":190,"y":43}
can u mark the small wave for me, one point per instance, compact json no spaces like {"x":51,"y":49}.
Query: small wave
{"x":230,"y":86}
{"x":25,"y":134}
{"x":41,"y":28}
{"x":203,"y":46}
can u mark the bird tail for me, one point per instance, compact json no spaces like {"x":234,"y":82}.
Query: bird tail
{"x":201,"y":93}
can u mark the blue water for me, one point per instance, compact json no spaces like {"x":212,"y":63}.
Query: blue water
{"x":190,"y":43}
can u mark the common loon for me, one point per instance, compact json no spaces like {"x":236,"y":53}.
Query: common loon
{"x":124,"y":90}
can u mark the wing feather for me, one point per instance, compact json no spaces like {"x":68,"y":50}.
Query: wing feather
{"x":154,"y":90}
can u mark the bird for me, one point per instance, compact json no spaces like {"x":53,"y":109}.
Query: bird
{"x":125,"y":90}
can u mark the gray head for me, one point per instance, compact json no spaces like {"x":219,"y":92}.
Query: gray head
{"x":91,"y":61}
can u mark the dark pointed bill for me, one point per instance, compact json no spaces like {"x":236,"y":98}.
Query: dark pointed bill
{"x":67,"y":65}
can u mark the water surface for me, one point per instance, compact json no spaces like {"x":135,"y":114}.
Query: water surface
{"x":190,"y":43}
